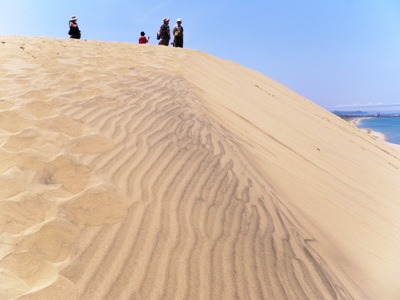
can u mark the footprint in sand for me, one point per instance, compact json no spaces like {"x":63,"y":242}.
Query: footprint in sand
{"x":97,"y":206}
{"x":64,"y":171}
{"x":12,"y":182}
{"x":93,"y":143}
{"x":12,"y":121}
{"x":24,"y":212}
{"x":53,"y":241}
{"x":62,"y":124}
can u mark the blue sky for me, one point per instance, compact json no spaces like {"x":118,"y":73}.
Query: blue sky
{"x":337,"y":53}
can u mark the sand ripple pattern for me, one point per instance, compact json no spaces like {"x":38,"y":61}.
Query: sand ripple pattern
{"x":122,"y":187}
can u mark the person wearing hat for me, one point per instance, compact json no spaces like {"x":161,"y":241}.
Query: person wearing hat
{"x":74,"y":32}
{"x":177,"y":32}
{"x":165,"y":34}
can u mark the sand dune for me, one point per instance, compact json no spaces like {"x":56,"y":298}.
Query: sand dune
{"x":145,"y":172}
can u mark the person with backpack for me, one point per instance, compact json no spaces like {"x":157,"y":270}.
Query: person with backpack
{"x":74,"y":32}
{"x":177,"y":32}
{"x":164,"y":33}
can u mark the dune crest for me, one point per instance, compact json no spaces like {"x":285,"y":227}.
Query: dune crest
{"x":145,"y":172}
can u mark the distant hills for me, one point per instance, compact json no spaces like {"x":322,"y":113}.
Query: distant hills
{"x":350,"y":113}
{"x":359,"y":113}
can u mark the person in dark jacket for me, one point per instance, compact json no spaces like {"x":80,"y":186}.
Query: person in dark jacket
{"x":74,"y":32}
{"x":165,"y":33}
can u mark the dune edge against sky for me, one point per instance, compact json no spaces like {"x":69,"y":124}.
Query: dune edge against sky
{"x":142,"y":171}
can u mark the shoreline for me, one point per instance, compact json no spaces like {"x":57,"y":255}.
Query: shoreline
{"x":376,"y":134}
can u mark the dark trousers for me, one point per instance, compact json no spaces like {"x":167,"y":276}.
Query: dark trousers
{"x":163,"y":42}
{"x":178,"y":42}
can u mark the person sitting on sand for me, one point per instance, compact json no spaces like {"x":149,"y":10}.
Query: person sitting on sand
{"x":143,"y":39}
{"x":74,"y":32}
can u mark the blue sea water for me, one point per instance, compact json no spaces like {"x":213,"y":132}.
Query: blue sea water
{"x":389,"y":126}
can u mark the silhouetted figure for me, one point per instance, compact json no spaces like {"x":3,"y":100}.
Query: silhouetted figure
{"x":74,"y":32}
{"x":165,"y":34}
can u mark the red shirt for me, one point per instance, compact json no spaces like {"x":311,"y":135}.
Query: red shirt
{"x":143,"y":40}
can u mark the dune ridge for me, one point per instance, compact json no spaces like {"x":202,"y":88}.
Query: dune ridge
{"x":144,"y":172}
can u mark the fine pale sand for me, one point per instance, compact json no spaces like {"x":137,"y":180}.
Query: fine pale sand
{"x":146,"y":172}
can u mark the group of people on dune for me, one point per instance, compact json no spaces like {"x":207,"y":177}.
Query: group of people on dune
{"x":163,"y":35}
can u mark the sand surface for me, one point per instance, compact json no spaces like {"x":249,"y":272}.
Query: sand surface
{"x":146,"y":172}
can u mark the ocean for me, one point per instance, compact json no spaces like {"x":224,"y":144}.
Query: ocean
{"x":389,"y":126}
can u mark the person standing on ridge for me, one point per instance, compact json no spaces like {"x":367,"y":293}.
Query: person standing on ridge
{"x":74,"y":32}
{"x":143,"y":39}
{"x":177,"y":32}
{"x":165,"y":34}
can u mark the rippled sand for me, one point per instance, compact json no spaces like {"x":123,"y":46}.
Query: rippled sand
{"x":145,"y":172}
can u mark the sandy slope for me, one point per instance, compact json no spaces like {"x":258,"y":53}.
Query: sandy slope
{"x":145,"y":172}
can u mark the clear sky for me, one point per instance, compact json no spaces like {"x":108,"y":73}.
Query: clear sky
{"x":337,"y":53}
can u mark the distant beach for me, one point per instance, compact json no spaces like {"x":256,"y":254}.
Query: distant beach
{"x":357,"y":122}
{"x":379,"y":135}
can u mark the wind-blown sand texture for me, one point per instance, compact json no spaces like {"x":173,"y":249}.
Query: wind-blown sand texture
{"x":145,"y":172}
